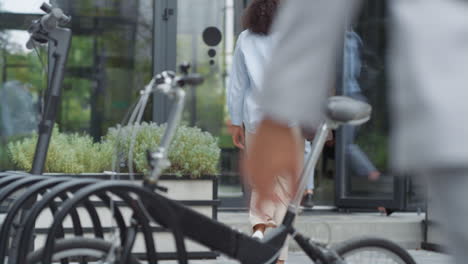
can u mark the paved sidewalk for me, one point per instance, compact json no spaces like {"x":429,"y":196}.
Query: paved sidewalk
{"x":427,"y":257}
{"x":399,"y":227}
{"x":405,"y":229}
{"x":421,"y":257}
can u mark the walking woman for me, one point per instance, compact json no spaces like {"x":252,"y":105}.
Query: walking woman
{"x":251,"y":56}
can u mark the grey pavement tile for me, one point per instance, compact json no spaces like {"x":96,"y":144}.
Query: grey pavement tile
{"x":421,"y":257}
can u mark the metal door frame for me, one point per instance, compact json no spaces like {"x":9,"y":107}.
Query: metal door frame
{"x":164,"y":50}
{"x":342,"y":177}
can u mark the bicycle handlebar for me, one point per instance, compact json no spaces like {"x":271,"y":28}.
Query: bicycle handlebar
{"x":41,"y":28}
{"x":171,"y":85}
{"x":191,"y":79}
{"x":54,"y":17}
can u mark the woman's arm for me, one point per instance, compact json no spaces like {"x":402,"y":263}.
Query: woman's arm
{"x":238,"y":83}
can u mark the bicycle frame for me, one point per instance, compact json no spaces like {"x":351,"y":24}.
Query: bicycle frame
{"x":183,"y":221}
{"x":241,"y":247}
{"x":216,"y":235}
{"x":198,"y":227}
{"x":45,"y":30}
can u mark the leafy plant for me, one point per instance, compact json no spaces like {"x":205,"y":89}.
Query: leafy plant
{"x":192,"y":151}
{"x":68,"y":153}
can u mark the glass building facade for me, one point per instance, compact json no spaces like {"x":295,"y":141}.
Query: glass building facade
{"x":118,"y":45}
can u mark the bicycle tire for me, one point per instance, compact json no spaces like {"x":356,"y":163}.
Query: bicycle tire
{"x":377,"y":249}
{"x":74,"y":248}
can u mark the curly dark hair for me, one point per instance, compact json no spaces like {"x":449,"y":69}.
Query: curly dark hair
{"x":259,"y":15}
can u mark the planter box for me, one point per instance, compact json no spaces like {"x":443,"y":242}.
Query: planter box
{"x":200,"y":194}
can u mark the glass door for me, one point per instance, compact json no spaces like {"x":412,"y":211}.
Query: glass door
{"x":205,"y":38}
{"x":22,"y":77}
{"x":363,"y":176}
{"x":109,"y":62}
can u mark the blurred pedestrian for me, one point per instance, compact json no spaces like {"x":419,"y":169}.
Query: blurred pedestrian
{"x":429,"y":62}
{"x":251,"y":57}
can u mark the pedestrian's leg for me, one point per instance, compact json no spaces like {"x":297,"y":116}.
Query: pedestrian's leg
{"x":282,"y":187}
{"x":260,"y":215}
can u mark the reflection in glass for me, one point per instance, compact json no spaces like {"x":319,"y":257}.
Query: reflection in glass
{"x":205,"y":106}
{"x":21,"y":73}
{"x":110,"y":59}
{"x":19,"y":114}
{"x":21,"y":90}
{"x":366,"y":151}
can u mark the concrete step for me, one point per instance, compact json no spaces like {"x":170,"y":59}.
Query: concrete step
{"x":420,"y":256}
{"x":163,"y":239}
{"x":324,"y":226}
{"x":404,"y":229}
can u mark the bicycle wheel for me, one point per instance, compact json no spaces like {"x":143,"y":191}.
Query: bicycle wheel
{"x":373,"y":250}
{"x":77,"y":250}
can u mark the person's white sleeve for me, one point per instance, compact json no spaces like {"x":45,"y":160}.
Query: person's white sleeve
{"x":237,"y":85}
{"x":302,"y":69}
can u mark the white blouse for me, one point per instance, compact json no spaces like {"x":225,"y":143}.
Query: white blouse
{"x":252,"y":53}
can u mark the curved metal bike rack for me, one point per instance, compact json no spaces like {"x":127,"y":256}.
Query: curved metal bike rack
{"x":51,"y":188}
{"x":26,"y":234}
{"x":38,"y":185}
{"x":5,"y":229}
{"x":40,"y":188}
{"x":121,"y":189}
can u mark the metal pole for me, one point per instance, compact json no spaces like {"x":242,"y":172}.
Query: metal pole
{"x":308,"y":171}
{"x":62,"y":40}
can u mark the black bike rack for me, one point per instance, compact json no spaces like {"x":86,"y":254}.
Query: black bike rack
{"x":75,"y":193}
{"x":52,"y":188}
{"x":122,"y":190}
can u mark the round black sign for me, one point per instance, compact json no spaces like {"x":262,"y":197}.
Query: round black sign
{"x":211,"y":53}
{"x":212,"y":36}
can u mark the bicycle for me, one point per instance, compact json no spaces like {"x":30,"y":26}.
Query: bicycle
{"x":184,"y":222}
{"x":149,"y":206}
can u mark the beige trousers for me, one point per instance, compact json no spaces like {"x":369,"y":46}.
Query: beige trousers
{"x":272,"y":213}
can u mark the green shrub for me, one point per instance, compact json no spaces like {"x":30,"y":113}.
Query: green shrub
{"x":21,"y":152}
{"x":68,"y":153}
{"x":192,"y":151}
{"x":5,"y":160}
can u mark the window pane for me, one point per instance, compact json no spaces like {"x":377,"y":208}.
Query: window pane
{"x":366,"y":146}
{"x":21,"y":87}
{"x":205,"y":106}
{"x":109,"y":61}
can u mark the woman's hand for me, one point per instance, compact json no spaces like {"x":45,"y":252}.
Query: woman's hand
{"x":238,"y":137}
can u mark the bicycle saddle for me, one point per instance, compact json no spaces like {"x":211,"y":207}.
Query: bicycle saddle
{"x":347,"y":110}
